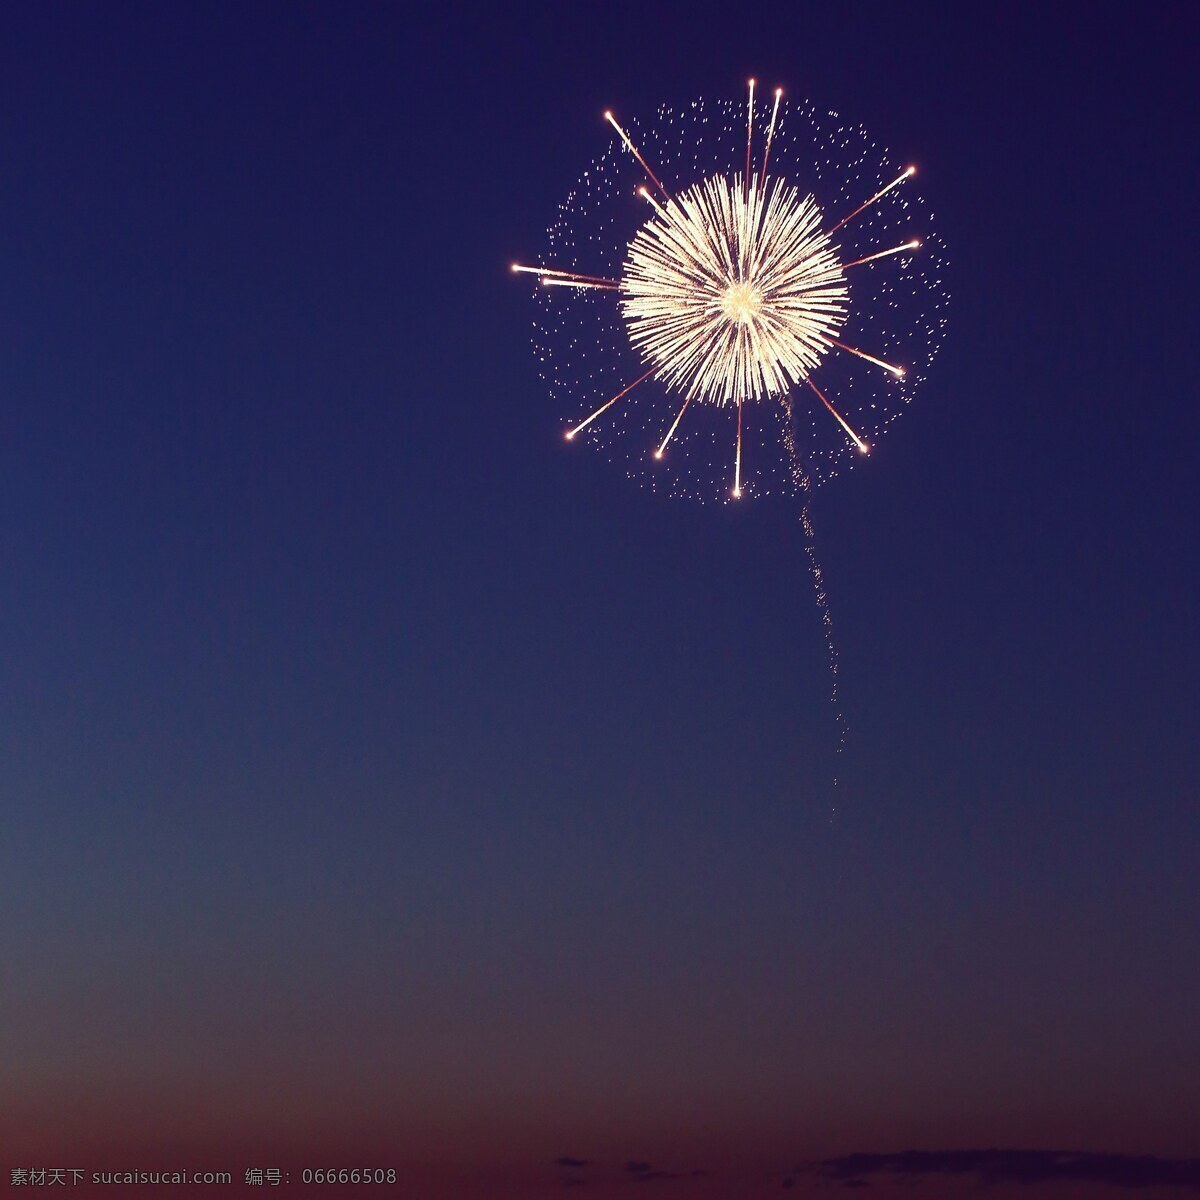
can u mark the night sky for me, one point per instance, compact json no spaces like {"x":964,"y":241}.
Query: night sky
{"x":385,"y":783}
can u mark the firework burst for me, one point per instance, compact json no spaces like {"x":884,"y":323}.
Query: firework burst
{"x":668,"y":308}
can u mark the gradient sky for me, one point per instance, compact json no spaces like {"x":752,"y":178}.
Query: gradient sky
{"x":384,"y":783}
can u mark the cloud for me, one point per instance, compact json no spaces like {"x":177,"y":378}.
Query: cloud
{"x":1015,"y":1166}
{"x":642,"y":1172}
{"x":577,"y":1163}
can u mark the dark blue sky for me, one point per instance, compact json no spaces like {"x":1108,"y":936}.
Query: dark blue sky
{"x":380,"y":775}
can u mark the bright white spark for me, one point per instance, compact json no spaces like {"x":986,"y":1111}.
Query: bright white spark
{"x":733,"y":292}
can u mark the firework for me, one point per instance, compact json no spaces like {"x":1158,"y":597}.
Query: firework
{"x":730,"y":313}
{"x":686,"y":322}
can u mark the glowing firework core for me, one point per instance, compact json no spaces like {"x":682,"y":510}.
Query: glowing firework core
{"x":741,"y":302}
{"x":733,"y":292}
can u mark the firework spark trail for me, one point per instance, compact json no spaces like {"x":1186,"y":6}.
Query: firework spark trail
{"x":878,"y":195}
{"x":804,"y":486}
{"x":862,"y":446}
{"x":634,"y":151}
{"x":551,"y":273}
{"x":674,"y":424}
{"x":749,"y":135}
{"x":770,"y":134}
{"x":897,"y":371}
{"x":737,"y":462}
{"x":625,"y":392}
{"x":581,"y":283}
{"x":866,"y":258}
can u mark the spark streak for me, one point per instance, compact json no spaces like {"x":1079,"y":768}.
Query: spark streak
{"x":580,"y":283}
{"x":588,"y":420}
{"x":659,"y":452}
{"x":770,"y":133}
{"x":749,"y":134}
{"x":868,"y":203}
{"x":884,"y":253}
{"x":633,"y":149}
{"x":897,"y":371}
{"x":737,"y":462}
{"x":839,"y":418}
{"x":644,"y":192}
{"x":562,"y":274}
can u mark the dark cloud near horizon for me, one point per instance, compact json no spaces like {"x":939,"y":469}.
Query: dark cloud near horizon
{"x":642,"y":1172}
{"x":639,"y":1170}
{"x":1016,"y":1166}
